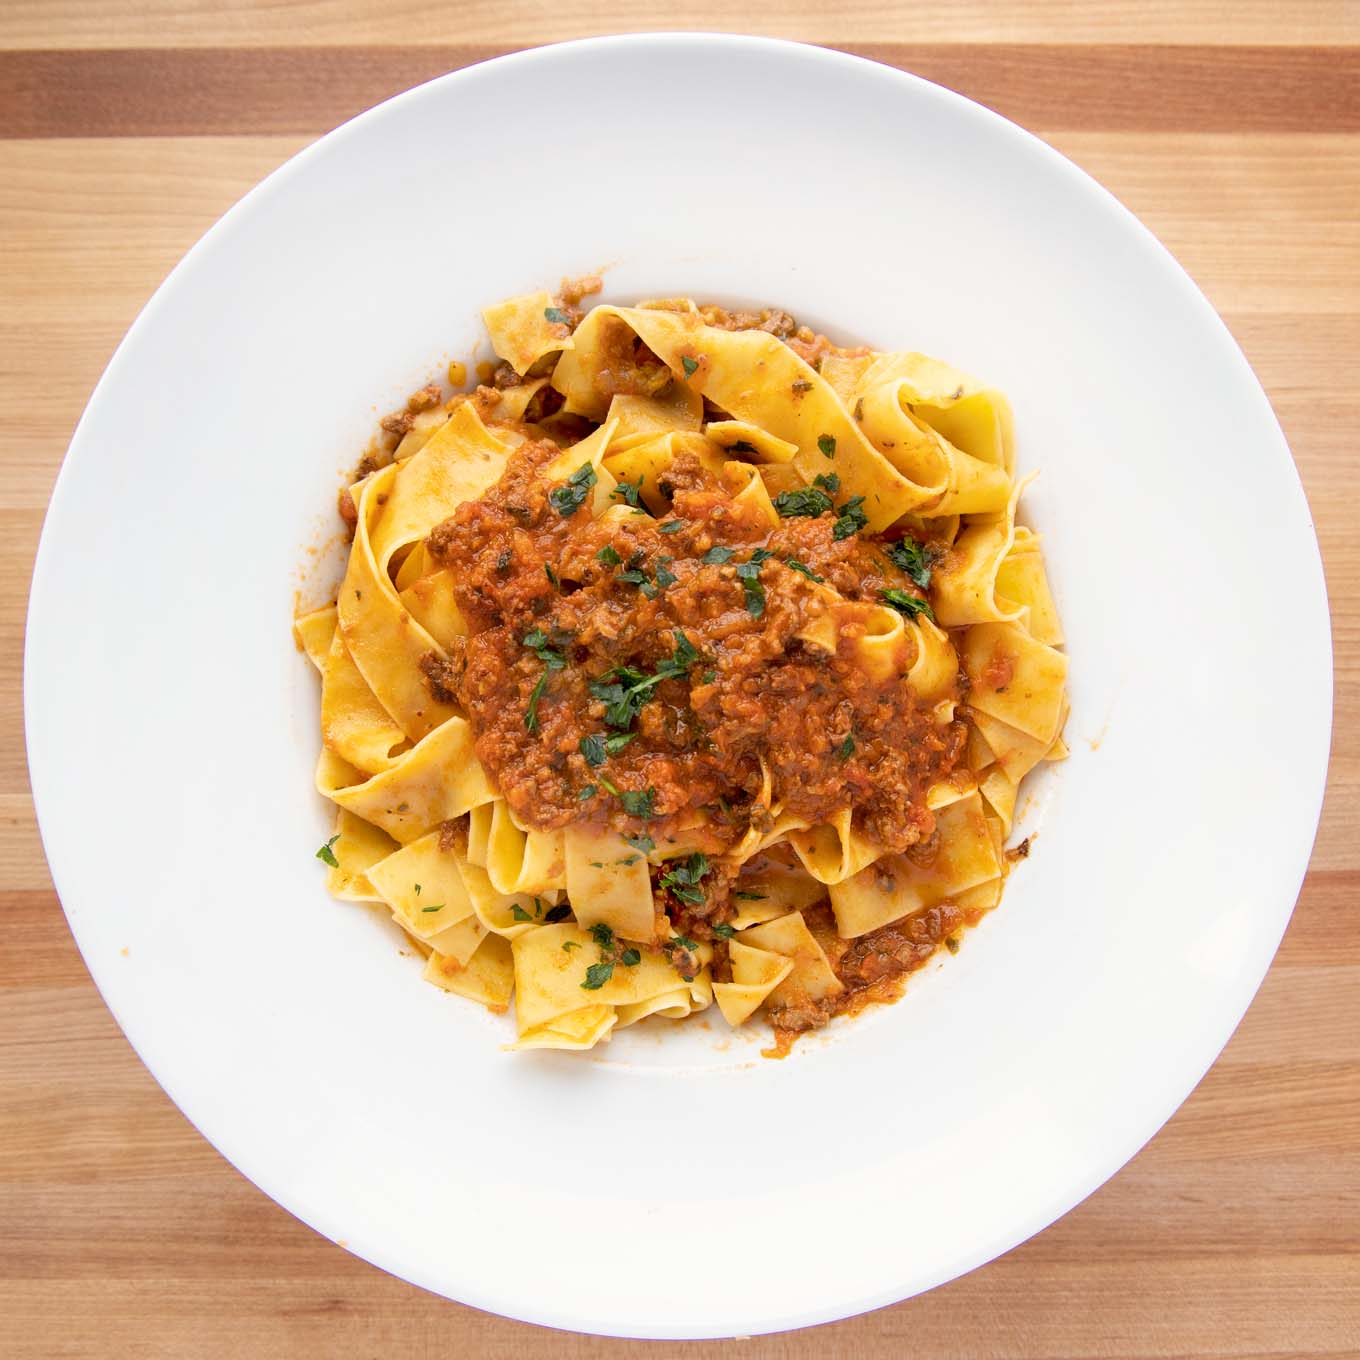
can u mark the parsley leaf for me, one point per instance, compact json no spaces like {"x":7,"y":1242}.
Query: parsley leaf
{"x":913,"y":558}
{"x":636,"y":577}
{"x":538,"y":643}
{"x":425,"y":911}
{"x":748,"y":573}
{"x":630,"y":492}
{"x":587,"y":793}
{"x":723,"y":931}
{"x":569,"y":945}
{"x":531,"y":723}
{"x":518,"y":912}
{"x":794,"y":564}
{"x":624,"y":690}
{"x":851,"y":519}
{"x":672,"y":526}
{"x":803,"y":501}
{"x":906,"y":603}
{"x":641,"y":842}
{"x":592,"y":747}
{"x":557,"y":316}
{"x":683,"y":879}
{"x":639,"y":802}
{"x":327,"y":855}
{"x":828,"y":481}
{"x":630,"y":958}
{"x":715,"y":557}
{"x":613,"y":745}
{"x":664,"y":575}
{"x":551,"y":575}
{"x":847,"y":748}
{"x":691,"y":366}
{"x":827,"y":444}
{"x":750,"y":896}
{"x":568,"y":498}
{"x":603,"y":934}
{"x":597,"y":975}
{"x":608,"y":556}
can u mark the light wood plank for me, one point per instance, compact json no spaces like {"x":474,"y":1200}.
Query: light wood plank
{"x":240,"y":23}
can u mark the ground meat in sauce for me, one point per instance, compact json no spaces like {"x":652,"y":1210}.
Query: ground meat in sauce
{"x":757,"y":697}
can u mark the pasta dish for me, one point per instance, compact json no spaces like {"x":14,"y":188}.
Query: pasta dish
{"x":687,"y":659}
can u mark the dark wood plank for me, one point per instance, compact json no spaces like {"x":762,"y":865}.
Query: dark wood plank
{"x":1108,"y":87}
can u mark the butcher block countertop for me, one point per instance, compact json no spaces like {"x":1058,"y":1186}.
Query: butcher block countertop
{"x":1231,"y":129}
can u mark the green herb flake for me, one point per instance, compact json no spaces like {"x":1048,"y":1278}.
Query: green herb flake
{"x":587,"y":793}
{"x":664,"y":575}
{"x":951,"y":943}
{"x":569,"y":945}
{"x":793,"y":564}
{"x":602,"y":934}
{"x":672,"y":526}
{"x":847,"y":748}
{"x":639,"y":803}
{"x":748,"y":573}
{"x":630,"y":958}
{"x":723,"y":931}
{"x":327,"y":855}
{"x":551,"y":575}
{"x":708,"y":677}
{"x":597,"y":975}
{"x":805,"y":502}
{"x":715,"y":557}
{"x":683,"y":879}
{"x":531,"y":723}
{"x":426,"y":910}
{"x":750,"y":896}
{"x":906,"y":603}
{"x":827,"y":444}
{"x":830,"y":482}
{"x":613,"y":745}
{"x":913,"y":558}
{"x":850,"y":520}
{"x":741,"y":446}
{"x":538,"y":643}
{"x":593,"y":749}
{"x":518,"y":913}
{"x":568,"y":498}
{"x":641,"y":842}
{"x":691,"y":366}
{"x":557,"y":316}
{"x":608,"y":556}
{"x":630,"y":492}
{"x":608,"y":787}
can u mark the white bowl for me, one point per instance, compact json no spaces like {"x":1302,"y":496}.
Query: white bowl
{"x":675,"y":1184}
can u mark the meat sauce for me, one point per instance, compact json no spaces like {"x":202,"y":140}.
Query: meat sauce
{"x":732,"y":711}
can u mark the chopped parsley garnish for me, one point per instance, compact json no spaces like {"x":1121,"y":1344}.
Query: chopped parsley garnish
{"x":631,"y":859}
{"x":569,"y":945}
{"x":723,"y":931}
{"x":639,"y":802}
{"x":908,"y":604}
{"x":426,"y":910}
{"x":748,"y":573}
{"x":603,"y":934}
{"x":558,"y":913}
{"x":830,"y":482}
{"x":557,"y":316}
{"x":518,"y":912}
{"x":613,"y":745}
{"x":531,"y":723}
{"x":587,"y":793}
{"x":847,"y":748}
{"x":913,"y":558}
{"x":608,"y":556}
{"x":624,"y":690}
{"x":634,"y":576}
{"x":683,"y":879}
{"x":630,"y":492}
{"x":750,"y":896}
{"x":794,"y":564}
{"x":672,"y":526}
{"x":664,"y":575}
{"x":630,"y":958}
{"x":417,"y":889}
{"x":592,"y":747}
{"x":551,"y":575}
{"x":538,"y":643}
{"x":708,"y":677}
{"x":327,"y":855}
{"x":597,"y":975}
{"x":568,"y":498}
{"x":851,"y":519}
{"x":680,"y":941}
{"x":715,"y":557}
{"x":691,"y":366}
{"x":608,"y":788}
{"x":641,"y":842}
{"x":827,"y":444}
{"x":804,"y":501}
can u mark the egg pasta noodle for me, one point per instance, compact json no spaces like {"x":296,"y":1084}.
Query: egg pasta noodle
{"x":688,"y":659}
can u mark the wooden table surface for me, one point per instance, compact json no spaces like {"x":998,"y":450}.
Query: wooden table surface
{"x":1232,"y":129}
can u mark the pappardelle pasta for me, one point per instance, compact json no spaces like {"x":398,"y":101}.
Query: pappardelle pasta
{"x":688,"y":659}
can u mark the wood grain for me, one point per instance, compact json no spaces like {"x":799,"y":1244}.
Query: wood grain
{"x":152,"y":92}
{"x":1231,"y":130}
